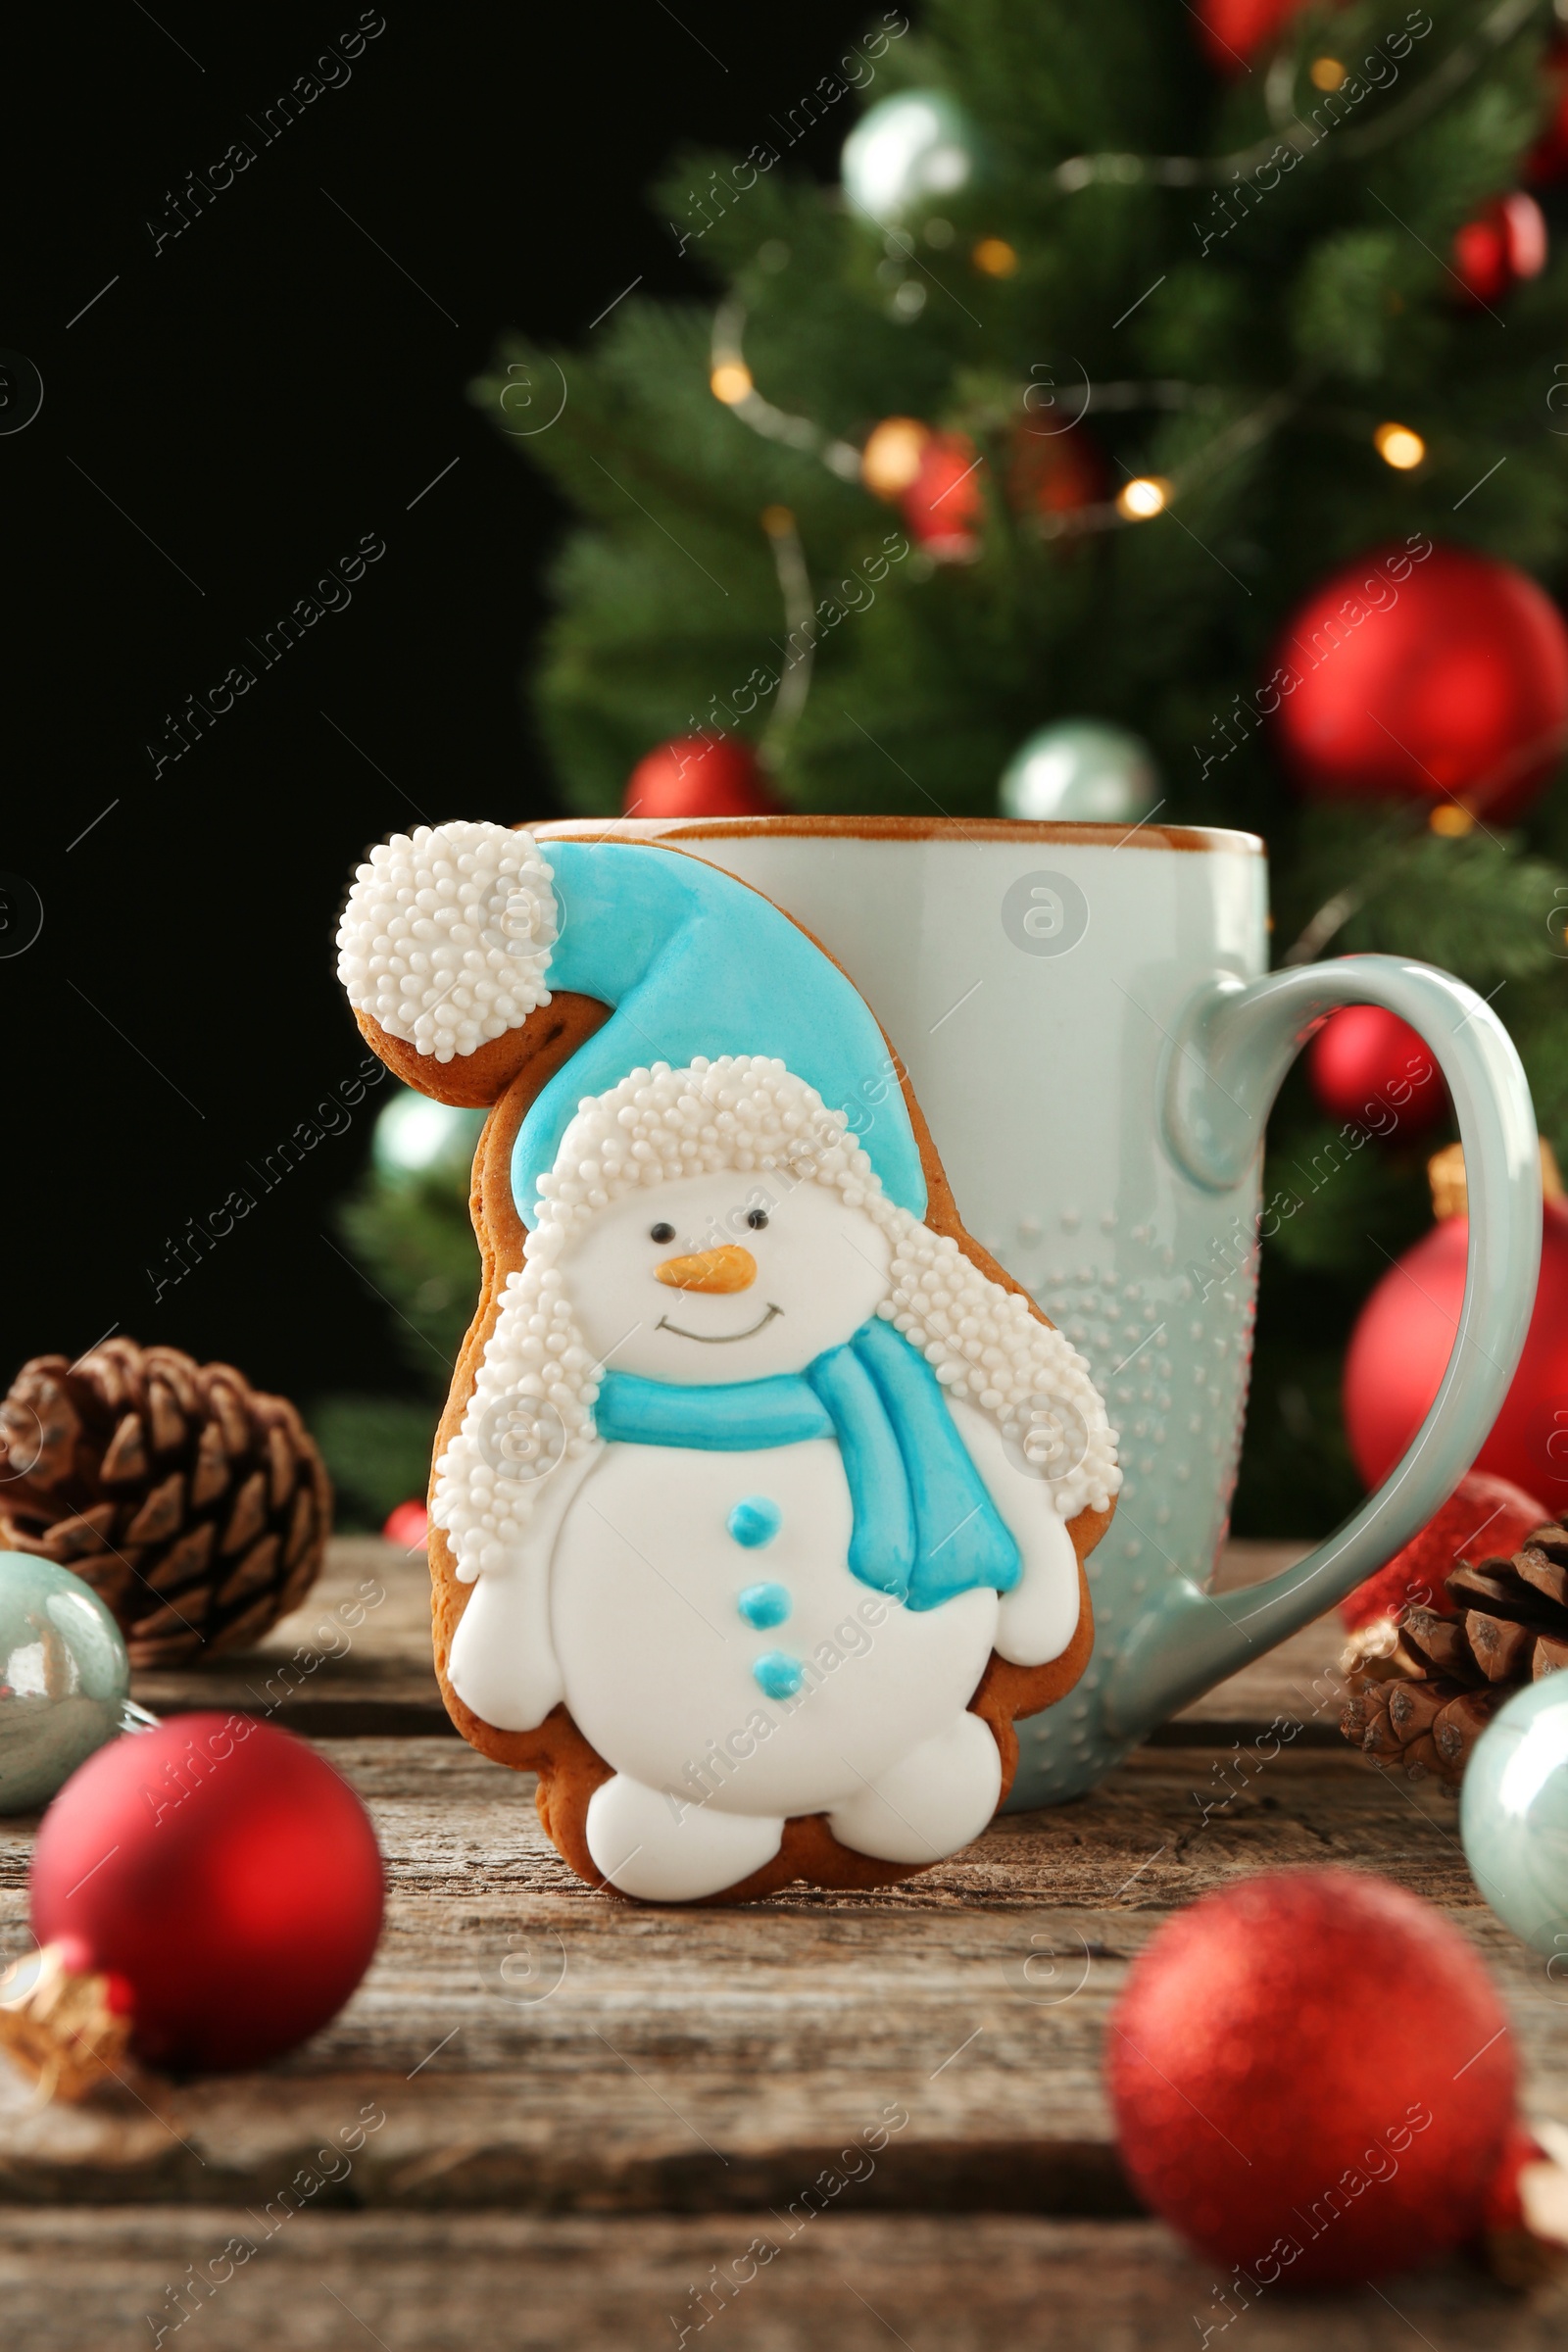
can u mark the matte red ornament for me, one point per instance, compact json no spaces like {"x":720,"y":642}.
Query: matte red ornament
{"x":1484,"y":1518}
{"x":1368,"y":1066}
{"x":700,"y":775}
{"x":408,"y":1525}
{"x":224,"y":1879}
{"x":1233,"y":31}
{"x":1399,"y":1350}
{"x":1443,"y":679}
{"x":943,"y":503}
{"x":1502,"y":245}
{"x":1056,"y":473}
{"x":1313,"y":2079}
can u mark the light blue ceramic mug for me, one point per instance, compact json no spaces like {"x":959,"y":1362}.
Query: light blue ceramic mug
{"x":1088,"y":1023}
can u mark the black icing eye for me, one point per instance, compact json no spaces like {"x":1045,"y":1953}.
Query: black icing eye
{"x":757,"y":1218}
{"x":660,"y":1233}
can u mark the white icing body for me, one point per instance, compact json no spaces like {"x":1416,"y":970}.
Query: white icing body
{"x":620,"y":1590}
{"x":645,"y":1551}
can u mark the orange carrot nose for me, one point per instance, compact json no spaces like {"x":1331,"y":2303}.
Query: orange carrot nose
{"x":727,"y":1269}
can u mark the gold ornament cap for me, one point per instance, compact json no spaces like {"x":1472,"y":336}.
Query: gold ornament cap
{"x":1450,"y":1195}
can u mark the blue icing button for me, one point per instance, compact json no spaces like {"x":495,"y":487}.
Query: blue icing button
{"x":777,"y":1675}
{"x":764,"y":1605}
{"x":756,"y":1520}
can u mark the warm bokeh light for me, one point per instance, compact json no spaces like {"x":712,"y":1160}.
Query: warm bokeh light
{"x":777,"y":521}
{"x":996,"y":257}
{"x":1326,"y":73}
{"x":1452,"y":820}
{"x":730,"y":381}
{"x":891,"y":458}
{"x":1145,"y":497}
{"x":1398,"y":447}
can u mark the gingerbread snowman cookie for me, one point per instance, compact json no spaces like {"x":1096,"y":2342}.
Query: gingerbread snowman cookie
{"x":762,"y":1496}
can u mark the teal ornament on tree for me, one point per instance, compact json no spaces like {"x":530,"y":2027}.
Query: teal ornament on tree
{"x":1081,"y":770}
{"x":908,"y":151}
{"x":65,"y":1679}
{"x":1514,"y":1817}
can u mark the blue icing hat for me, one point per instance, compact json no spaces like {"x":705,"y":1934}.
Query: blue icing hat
{"x":693,"y":963}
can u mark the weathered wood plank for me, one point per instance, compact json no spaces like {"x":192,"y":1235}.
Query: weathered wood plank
{"x":98,"y":2281}
{"x":534,"y":2045}
{"x":355,"y":1661}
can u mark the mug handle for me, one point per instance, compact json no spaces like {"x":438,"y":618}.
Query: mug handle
{"x":1221,"y":1070}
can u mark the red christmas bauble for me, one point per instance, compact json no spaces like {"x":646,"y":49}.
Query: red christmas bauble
{"x":1549,"y":158}
{"x":1233,"y":31}
{"x":1314,"y":2079}
{"x":408,"y":1525}
{"x":699,"y":775}
{"x":1056,"y":473}
{"x":222,"y":1877}
{"x":1502,"y":245}
{"x":1399,"y":1350}
{"x":943,"y":503}
{"x":1435,"y":679}
{"x":1485,"y":1517}
{"x":1367,"y":1064}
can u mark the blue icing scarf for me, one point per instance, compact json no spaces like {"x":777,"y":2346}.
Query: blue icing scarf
{"x":925,"y":1528}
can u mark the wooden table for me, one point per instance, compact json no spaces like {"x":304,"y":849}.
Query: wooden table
{"x":577,"y":2115}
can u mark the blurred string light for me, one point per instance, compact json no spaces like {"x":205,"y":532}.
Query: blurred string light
{"x":995,"y":257}
{"x":891,"y":458}
{"x":731,"y":382}
{"x":1397,"y":446}
{"x":1326,"y":73}
{"x":1143,"y":497}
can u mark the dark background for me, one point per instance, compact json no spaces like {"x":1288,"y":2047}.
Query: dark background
{"x":248,"y":402}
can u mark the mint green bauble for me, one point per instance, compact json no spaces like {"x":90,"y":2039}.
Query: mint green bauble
{"x":906,"y":154}
{"x":1080,"y":771}
{"x":1513,"y":1816}
{"x":65,"y":1679}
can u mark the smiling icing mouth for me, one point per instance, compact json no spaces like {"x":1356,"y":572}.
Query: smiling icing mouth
{"x":718,"y":1339}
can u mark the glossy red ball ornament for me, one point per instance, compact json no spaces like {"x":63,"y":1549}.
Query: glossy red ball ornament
{"x":1502,"y":245}
{"x":1441,"y":679}
{"x":1233,"y":31}
{"x":943,"y":504}
{"x":1368,"y":1066}
{"x":1399,"y":1350}
{"x":1484,"y":1518}
{"x":700,"y":775}
{"x":225,"y":1881}
{"x":1313,"y":2079}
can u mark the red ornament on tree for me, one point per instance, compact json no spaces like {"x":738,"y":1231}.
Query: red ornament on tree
{"x":1313,"y":2079}
{"x":408,"y":1525}
{"x":1485,"y":1517}
{"x":1549,"y":158}
{"x":1233,"y":31}
{"x":207,"y":1895}
{"x":945,"y":503}
{"x":1500,"y":246}
{"x":700,"y":775}
{"x":1405,"y":1335}
{"x":1444,"y":679}
{"x":1365,"y":1065}
{"x":1056,"y":473}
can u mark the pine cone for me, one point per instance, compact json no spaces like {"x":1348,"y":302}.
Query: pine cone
{"x":1424,"y":1688}
{"x":195,"y":1506}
